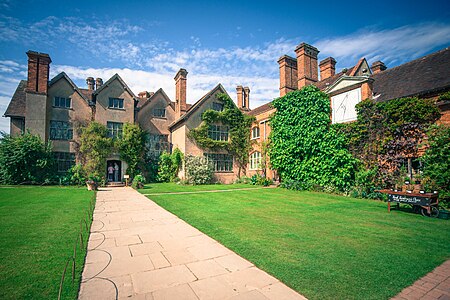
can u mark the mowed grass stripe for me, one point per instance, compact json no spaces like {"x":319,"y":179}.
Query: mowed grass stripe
{"x":324,"y":246}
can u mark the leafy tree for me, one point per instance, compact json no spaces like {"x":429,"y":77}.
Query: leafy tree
{"x":437,"y":160}
{"x":132,"y":147}
{"x":304,"y":147}
{"x":25,"y":159}
{"x":94,"y":148}
{"x":239,"y":144}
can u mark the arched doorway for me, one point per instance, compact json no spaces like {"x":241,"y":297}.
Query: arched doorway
{"x":114,"y":170}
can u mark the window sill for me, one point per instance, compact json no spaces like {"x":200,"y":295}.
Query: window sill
{"x":162,"y":118}
{"x":224,"y":172}
{"x":65,"y":108}
{"x":113,"y":108}
{"x":255,"y":138}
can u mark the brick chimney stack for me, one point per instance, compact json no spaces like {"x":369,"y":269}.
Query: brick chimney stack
{"x":98,"y":83}
{"x":246,"y":100}
{"x":288,"y":74}
{"x":90,"y":83}
{"x":180,"y":92}
{"x":327,"y":68}
{"x":38,"y":72}
{"x":378,"y":67}
{"x":306,"y":64}
{"x":240,"y":96}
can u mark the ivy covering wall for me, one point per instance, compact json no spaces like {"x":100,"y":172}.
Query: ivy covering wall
{"x":303,"y":145}
{"x":239,"y":124}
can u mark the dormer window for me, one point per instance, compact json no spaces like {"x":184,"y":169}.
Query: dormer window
{"x":116,"y":103}
{"x":62,"y":102}
{"x":255,"y":132}
{"x":159,"y":112}
{"x":217,"y":106}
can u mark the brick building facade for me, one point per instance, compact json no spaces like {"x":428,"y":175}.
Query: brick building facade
{"x":53,"y":109}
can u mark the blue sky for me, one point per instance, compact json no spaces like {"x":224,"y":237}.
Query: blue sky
{"x":231,"y":42}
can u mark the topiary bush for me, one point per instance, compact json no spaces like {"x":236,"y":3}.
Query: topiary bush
{"x":198,"y":170}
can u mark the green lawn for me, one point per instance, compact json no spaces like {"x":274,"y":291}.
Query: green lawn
{"x":156,"y":188}
{"x":38,"y":229}
{"x":324,"y":246}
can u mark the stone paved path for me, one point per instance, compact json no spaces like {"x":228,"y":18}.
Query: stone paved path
{"x":139,"y":250}
{"x":434,"y":285}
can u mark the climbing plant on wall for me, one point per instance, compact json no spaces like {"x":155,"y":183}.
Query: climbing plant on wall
{"x":239,"y":125}
{"x":303,"y":145}
{"x":387,"y":133}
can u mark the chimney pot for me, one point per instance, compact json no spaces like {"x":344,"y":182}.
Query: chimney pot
{"x":288,"y":74}
{"x":90,"y":83}
{"x":38,"y":72}
{"x":378,"y":67}
{"x":246,"y":100}
{"x":98,"y":83}
{"x":327,"y":68}
{"x":307,"y":71}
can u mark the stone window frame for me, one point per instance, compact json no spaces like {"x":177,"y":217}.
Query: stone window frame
{"x":115,"y":103}
{"x":255,"y":161}
{"x":114,"y":129}
{"x":61,"y":130}
{"x":217,"y":106}
{"x":159,"y":112}
{"x":222,"y":162}
{"x":57,"y":102}
{"x":218,"y":132}
{"x":64,"y":161}
{"x":156,"y":144}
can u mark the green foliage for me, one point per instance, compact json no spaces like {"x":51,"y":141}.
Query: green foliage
{"x":198,"y":170}
{"x":25,"y":159}
{"x":132,"y":147}
{"x":138,"y":182}
{"x":444,"y":96}
{"x":257,"y":179}
{"x":386,"y":133}
{"x":366,"y":183}
{"x":303,"y":146}
{"x":77,"y":175}
{"x":437,"y":160}
{"x":169,"y":165}
{"x":95,"y":147}
{"x":239,"y":144}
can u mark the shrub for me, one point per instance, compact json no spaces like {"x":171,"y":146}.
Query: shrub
{"x":138,"y":182}
{"x":76,"y":175}
{"x":169,"y":165}
{"x":198,"y":170}
{"x":257,"y":179}
{"x":436,"y":161}
{"x":25,"y":159}
{"x":366,"y":182}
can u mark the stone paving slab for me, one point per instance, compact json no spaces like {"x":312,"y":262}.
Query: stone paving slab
{"x":433,"y":286}
{"x":138,"y":250}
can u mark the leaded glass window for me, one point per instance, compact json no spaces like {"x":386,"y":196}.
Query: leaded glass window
{"x":61,"y":130}
{"x":221,"y":162}
{"x":64,"y":161}
{"x":218,"y":132}
{"x":255,"y":160}
{"x":114,"y":129}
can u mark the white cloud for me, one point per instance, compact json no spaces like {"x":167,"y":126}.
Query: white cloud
{"x":392,"y":46}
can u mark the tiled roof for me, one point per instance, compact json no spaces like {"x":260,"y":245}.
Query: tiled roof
{"x":17,"y":106}
{"x":428,"y":74}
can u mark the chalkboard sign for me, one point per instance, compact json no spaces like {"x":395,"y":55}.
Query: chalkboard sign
{"x":413,"y":200}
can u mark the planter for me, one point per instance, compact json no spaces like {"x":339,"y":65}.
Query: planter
{"x":91,"y":186}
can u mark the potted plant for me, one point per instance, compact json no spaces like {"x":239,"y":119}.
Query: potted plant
{"x":92,"y":183}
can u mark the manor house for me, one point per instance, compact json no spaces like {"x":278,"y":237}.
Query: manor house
{"x":425,"y":77}
{"x":54,"y":108}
